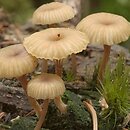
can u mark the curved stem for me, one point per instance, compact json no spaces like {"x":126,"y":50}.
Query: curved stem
{"x":42,"y":115}
{"x":74,"y":64}
{"x":60,"y":104}
{"x":93,"y":113}
{"x":32,"y":101}
{"x":58,"y":67}
{"x":104,"y":62}
{"x":35,"y":105}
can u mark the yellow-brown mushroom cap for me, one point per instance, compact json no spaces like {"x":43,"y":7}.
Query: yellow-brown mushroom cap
{"x":15,"y":61}
{"x":105,"y":28}
{"x":46,"y":86}
{"x":55,"y":43}
{"x":51,"y":13}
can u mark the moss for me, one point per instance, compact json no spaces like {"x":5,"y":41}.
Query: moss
{"x":76,"y":117}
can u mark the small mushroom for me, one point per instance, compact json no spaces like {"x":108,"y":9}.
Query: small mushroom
{"x":55,"y":44}
{"x":16,"y":62}
{"x":46,"y":87}
{"x":50,"y":14}
{"x":105,"y":29}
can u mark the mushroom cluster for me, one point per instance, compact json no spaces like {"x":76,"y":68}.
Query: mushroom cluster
{"x":56,"y":44}
{"x":53,"y":44}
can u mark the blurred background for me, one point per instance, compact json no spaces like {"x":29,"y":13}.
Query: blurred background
{"x":21,"y":10}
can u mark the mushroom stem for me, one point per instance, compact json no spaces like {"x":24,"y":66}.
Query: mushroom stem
{"x":32,"y":101}
{"x":104,"y":62}
{"x":35,"y":105}
{"x":74,"y":64}
{"x":58,"y":67}
{"x":93,"y":113}
{"x":42,"y":116}
{"x":60,"y":104}
{"x":24,"y":82}
{"x":44,"y":66}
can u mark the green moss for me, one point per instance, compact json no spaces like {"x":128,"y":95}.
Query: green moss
{"x":23,"y":124}
{"x":76,"y":117}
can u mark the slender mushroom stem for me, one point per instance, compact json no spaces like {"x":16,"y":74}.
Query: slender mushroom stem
{"x":58,"y":67}
{"x":58,"y":101}
{"x":44,"y":66}
{"x":74,"y":64}
{"x":60,"y":104}
{"x":93,"y":113}
{"x":43,"y":114}
{"x":32,"y":101}
{"x":24,"y":82}
{"x":35,"y":105}
{"x":104,"y":62}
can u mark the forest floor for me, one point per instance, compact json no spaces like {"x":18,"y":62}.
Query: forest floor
{"x":13,"y":101}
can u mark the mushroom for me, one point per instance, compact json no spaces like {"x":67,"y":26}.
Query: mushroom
{"x":46,"y":86}
{"x":105,"y":29}
{"x":16,"y":62}
{"x":55,"y":44}
{"x":50,"y":14}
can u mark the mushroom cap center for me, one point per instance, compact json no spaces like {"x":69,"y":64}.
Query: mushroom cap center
{"x":107,"y":22}
{"x":15,"y":54}
{"x":18,"y":53}
{"x":57,"y":37}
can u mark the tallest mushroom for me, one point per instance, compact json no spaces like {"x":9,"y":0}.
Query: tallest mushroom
{"x":55,"y":44}
{"x":105,"y":29}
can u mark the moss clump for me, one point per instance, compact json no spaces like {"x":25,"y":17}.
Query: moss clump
{"x":76,"y":117}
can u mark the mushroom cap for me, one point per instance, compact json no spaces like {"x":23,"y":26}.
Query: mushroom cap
{"x":105,"y":28}
{"x":55,"y":43}
{"x":15,"y":61}
{"x":51,"y":13}
{"x":46,"y":86}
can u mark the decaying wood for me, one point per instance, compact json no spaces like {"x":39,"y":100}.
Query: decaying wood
{"x":13,"y":96}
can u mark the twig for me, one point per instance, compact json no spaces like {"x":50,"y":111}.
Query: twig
{"x":93,"y":113}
